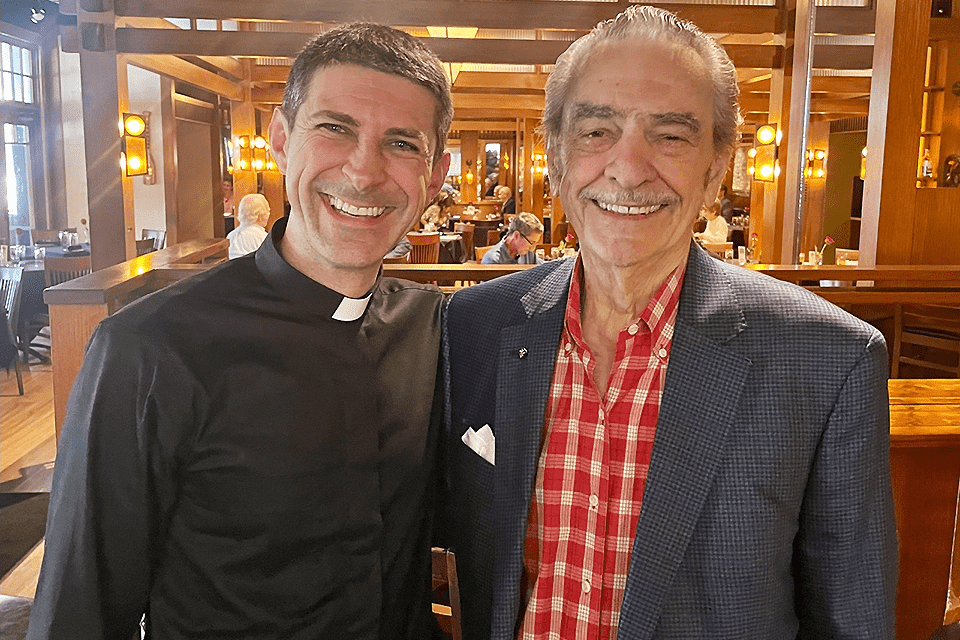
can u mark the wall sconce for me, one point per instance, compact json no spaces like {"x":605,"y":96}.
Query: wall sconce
{"x":506,"y":161}
{"x":816,"y":163}
{"x":241,"y":153}
{"x":134,"y":145}
{"x":259,"y":161}
{"x":766,"y":166}
{"x":538,"y":164}
{"x":469,"y":176}
{"x":863,"y":163}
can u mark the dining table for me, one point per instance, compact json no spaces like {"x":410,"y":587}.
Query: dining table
{"x":452,"y":250}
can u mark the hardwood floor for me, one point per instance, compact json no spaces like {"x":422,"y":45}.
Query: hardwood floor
{"x":28,"y":449}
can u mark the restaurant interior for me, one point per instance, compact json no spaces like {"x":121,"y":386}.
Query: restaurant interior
{"x":122,"y":120}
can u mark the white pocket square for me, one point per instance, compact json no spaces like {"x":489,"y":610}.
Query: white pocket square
{"x":481,"y":442}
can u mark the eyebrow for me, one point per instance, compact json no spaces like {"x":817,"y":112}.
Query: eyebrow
{"x":583,"y":110}
{"x":392,"y":131}
{"x":686,"y":119}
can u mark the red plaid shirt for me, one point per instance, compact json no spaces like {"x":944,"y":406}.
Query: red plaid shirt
{"x":592,"y":471}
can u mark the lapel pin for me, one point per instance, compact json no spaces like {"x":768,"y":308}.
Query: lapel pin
{"x":522,"y":352}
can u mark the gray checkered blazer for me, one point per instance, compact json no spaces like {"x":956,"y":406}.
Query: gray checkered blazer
{"x":767,"y":511}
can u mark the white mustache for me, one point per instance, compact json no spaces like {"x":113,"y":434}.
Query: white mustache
{"x":629,"y":198}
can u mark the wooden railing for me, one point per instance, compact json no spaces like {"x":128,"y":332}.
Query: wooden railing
{"x":78,"y":305}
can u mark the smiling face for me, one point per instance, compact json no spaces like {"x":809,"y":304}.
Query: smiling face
{"x":639,"y":156}
{"x":358,"y":168}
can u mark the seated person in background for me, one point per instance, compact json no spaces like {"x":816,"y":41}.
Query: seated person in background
{"x":490,"y":185}
{"x":716,"y":231}
{"x":505,"y":195}
{"x":253,"y":213}
{"x":726,"y":207}
{"x":519,"y":244}
{"x":437,"y":215}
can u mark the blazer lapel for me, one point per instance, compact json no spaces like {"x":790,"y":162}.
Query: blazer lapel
{"x":689,"y":441}
{"x":524,"y":370}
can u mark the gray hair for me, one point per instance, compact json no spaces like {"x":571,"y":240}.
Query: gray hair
{"x":526,"y":223}
{"x":251,"y":207}
{"x":641,"y":23}
{"x":376,"y":47}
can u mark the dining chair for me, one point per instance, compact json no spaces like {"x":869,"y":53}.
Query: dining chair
{"x":146,"y":246}
{"x":425,"y":247}
{"x":404,"y":259}
{"x":719,"y":248}
{"x":493,"y":236}
{"x":480,"y":251}
{"x":446,"y":593}
{"x":11,"y":279}
{"x":466,"y":229}
{"x":933,"y":333}
{"x":61,"y":269}
{"x":159,"y":237}
{"x":847,"y":256}
{"x":45,"y":236}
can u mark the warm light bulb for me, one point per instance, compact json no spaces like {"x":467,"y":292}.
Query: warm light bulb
{"x":134,"y":163}
{"x":766,"y":171}
{"x":259,"y":142}
{"x":752,"y":153}
{"x":258,"y":164}
{"x":821,"y":154}
{"x":123,"y":161}
{"x":766,"y":134}
{"x":243,"y":164}
{"x":819,"y":173}
{"x":863,"y":152}
{"x":134,"y":124}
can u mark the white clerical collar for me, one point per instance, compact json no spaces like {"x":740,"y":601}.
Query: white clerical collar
{"x":351,"y":309}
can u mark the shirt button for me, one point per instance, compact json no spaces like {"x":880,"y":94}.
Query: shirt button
{"x":568,"y":347}
{"x":585,"y":585}
{"x":600,"y":415}
{"x":594,"y":501}
{"x":662,"y":353}
{"x":632,"y":329}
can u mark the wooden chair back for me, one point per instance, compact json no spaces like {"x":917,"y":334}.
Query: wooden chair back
{"x":446,"y":593}
{"x":11,"y":281}
{"x":57,"y":270}
{"x":466,"y":230}
{"x":425,"y":247}
{"x":847,"y":256}
{"x":159,"y":237}
{"x":933,"y":332}
{"x":493,"y":236}
{"x":146,"y":246}
{"x":45,"y":235}
{"x":480,"y":251}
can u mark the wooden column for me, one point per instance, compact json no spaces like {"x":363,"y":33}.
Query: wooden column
{"x":813,"y":231}
{"x":529,"y":150}
{"x":896,"y":94}
{"x":111,"y":218}
{"x":469,"y":143}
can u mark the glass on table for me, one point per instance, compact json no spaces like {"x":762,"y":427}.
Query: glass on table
{"x":18,"y":252}
{"x":39,"y":253}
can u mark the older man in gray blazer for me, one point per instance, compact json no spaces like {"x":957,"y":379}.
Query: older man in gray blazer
{"x":644,"y":442}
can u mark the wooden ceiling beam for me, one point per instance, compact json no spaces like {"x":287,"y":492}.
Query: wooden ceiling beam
{"x":497,"y":80}
{"x":842,"y":57}
{"x":858,"y":107}
{"x":288,"y":44}
{"x":516,"y":14}
{"x":483,"y":125}
{"x":183,"y":71}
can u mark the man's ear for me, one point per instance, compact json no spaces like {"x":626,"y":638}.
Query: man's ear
{"x":438,"y":175}
{"x":714,"y":177}
{"x":279,"y":132}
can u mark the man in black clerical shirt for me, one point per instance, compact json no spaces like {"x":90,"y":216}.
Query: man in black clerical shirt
{"x":246,"y":453}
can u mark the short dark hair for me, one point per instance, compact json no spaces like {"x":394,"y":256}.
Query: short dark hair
{"x":376,"y":47}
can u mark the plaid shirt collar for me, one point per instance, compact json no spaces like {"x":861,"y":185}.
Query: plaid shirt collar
{"x":655,"y":315}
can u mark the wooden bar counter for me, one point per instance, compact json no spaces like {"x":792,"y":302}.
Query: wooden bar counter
{"x":78,"y":305}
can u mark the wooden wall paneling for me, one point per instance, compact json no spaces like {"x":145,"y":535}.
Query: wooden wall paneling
{"x":889,"y":191}
{"x":950,"y":131}
{"x":273,"y":191}
{"x":925,"y":483}
{"x":71,"y":328}
{"x":243,"y":123}
{"x":936,"y":227}
{"x":469,"y":151}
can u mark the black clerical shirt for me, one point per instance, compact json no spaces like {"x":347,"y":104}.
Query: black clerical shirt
{"x":238,"y":463}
